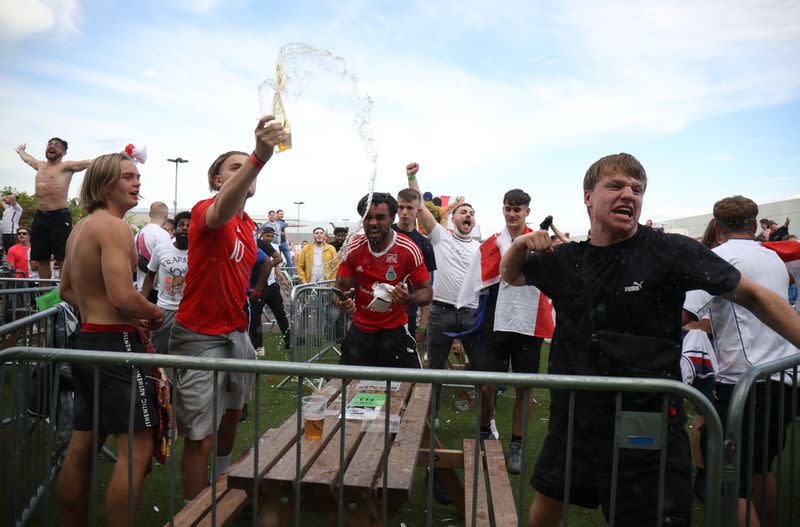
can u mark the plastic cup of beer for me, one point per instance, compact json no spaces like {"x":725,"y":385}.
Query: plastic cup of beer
{"x":314,"y":407}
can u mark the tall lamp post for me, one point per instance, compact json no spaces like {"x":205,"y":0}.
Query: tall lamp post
{"x":298,"y":203}
{"x":177,"y":161}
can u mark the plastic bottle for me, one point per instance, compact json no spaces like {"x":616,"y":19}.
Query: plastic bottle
{"x":462,"y":405}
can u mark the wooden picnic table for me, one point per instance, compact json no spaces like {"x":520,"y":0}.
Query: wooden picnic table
{"x":319,"y":461}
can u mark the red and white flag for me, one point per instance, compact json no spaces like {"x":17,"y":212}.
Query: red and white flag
{"x":525,"y":309}
{"x":789,"y":252}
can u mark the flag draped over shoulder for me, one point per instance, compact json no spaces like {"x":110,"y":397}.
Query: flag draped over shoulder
{"x":789,"y":252}
{"x":698,"y":361}
{"x":484,"y":271}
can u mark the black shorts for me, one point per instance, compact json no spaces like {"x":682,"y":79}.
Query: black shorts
{"x":49,"y":234}
{"x":114,"y":390}
{"x":504,"y":347}
{"x":637,"y":479}
{"x":765,"y":440}
{"x":393,"y":348}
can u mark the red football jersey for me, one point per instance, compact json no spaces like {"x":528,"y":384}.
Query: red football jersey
{"x":401,"y":259}
{"x":220,"y":261}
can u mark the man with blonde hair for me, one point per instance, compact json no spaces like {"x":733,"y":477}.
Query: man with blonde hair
{"x":112,"y":312}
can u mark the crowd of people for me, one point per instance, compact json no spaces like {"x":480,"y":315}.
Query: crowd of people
{"x":630,"y":301}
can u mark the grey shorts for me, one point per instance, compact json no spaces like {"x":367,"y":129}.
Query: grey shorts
{"x":194,"y":408}
{"x":159,"y":338}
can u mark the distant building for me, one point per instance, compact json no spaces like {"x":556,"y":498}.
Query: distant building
{"x":777,"y":211}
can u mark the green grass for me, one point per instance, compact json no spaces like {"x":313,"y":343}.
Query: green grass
{"x":278,"y":404}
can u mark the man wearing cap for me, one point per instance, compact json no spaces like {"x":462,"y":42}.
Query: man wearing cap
{"x":272,"y":296}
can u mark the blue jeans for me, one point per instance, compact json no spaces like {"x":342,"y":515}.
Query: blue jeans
{"x":287,"y":255}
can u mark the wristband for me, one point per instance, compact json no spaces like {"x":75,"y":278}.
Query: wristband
{"x":411,"y":177}
{"x":256,"y":162}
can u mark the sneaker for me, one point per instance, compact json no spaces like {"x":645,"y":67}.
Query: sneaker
{"x":436,"y":424}
{"x":439,"y":493}
{"x":243,"y":417}
{"x":260,"y":351}
{"x":493,"y":428}
{"x":514,"y":458}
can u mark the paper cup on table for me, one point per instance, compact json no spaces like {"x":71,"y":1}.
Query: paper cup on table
{"x":314,"y":407}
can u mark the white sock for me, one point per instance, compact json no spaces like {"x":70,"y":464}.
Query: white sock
{"x":222,"y":462}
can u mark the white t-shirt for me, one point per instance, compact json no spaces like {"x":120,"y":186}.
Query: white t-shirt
{"x":153,"y":236}
{"x":31,"y":272}
{"x":171,"y":264}
{"x":453,"y":256}
{"x":740,"y":339}
{"x":10,"y":222}
{"x":271,"y":279}
{"x":316,"y":267}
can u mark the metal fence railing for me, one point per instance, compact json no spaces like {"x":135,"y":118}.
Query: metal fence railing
{"x":296,"y":464}
{"x":317,"y":328}
{"x":36,"y":421}
{"x":18,"y":296}
{"x":763,"y":410}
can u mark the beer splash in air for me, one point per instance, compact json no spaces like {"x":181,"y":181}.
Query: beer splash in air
{"x":300,"y":68}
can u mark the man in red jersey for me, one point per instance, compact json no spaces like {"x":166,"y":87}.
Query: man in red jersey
{"x":381,"y":262}
{"x":211,"y":321}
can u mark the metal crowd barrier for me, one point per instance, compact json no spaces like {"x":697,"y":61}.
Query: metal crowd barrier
{"x":783,"y":506}
{"x":18,"y":361}
{"x":316,"y":326}
{"x":36,"y":416}
{"x":18,"y":296}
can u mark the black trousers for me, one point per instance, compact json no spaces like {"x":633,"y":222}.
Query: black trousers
{"x":274,"y":300}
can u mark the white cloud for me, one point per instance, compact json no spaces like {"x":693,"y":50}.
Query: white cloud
{"x":22,"y":19}
{"x":200,"y":6}
{"x":644,"y":72}
{"x":17,"y":21}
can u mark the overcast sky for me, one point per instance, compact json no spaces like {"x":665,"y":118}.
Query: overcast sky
{"x":486,"y":96}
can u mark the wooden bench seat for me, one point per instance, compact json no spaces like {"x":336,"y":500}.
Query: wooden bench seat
{"x":230,"y":502}
{"x":495,"y":501}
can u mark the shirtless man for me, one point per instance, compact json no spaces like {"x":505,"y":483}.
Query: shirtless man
{"x":52,"y":222}
{"x":113,"y":315}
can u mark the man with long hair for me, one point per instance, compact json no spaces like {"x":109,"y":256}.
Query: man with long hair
{"x":96,"y":279}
